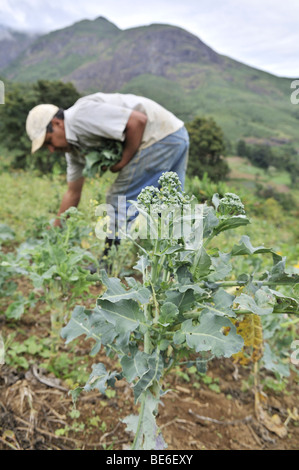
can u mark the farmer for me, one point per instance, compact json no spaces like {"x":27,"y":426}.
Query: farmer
{"x":154,"y":141}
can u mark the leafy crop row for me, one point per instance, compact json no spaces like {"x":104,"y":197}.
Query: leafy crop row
{"x":181,"y":309}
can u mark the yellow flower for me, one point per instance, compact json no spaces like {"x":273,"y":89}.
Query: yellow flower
{"x":93,"y":202}
{"x":296,"y":266}
{"x":85,"y":244}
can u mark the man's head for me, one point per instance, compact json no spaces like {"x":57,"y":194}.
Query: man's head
{"x":45,"y":128}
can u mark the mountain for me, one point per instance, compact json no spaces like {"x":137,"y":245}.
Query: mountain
{"x":165,"y":63}
{"x":12,"y":44}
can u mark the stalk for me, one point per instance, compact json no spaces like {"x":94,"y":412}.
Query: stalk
{"x":147,"y":350}
{"x":195,"y":315}
{"x":154,"y":278}
{"x":155,"y":264}
{"x":262,"y":283}
{"x":68,"y":233}
{"x":147,"y":342}
{"x":136,"y":438}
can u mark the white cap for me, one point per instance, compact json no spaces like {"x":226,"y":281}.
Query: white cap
{"x":36,"y":124}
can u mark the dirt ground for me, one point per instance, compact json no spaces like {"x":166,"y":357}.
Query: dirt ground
{"x":237,"y":175}
{"x":36,"y":411}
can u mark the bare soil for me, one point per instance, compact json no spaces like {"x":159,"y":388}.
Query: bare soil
{"x":36,"y":409}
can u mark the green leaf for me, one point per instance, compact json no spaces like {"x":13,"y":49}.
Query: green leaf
{"x":124,"y":315}
{"x":6,"y":233}
{"x":185,"y":281}
{"x":210,"y":221}
{"x":168,"y":313}
{"x":16,"y":309}
{"x":285,"y":303}
{"x":152,"y":374}
{"x":75,"y":393}
{"x":245,"y":248}
{"x":153,"y":439}
{"x":149,"y":436}
{"x":201,"y":263}
{"x":274,"y":363}
{"x":261,"y":304}
{"x":142,"y":264}
{"x":100,"y":378}
{"x":220,"y":266}
{"x":116,"y":291}
{"x":230,"y":223}
{"x":135,"y":365}
{"x":208,"y":335}
{"x":94,"y":277}
{"x":78,"y":325}
{"x":107,"y":153}
{"x":173,"y":249}
{"x":216,"y":201}
{"x":90,"y":323}
{"x":221,"y":304}
{"x":278,"y":274}
{"x":183,"y":300}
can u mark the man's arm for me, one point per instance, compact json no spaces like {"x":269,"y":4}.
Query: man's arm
{"x":134,"y":133}
{"x":71,"y":198}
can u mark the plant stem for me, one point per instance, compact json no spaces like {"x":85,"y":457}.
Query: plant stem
{"x":195,"y":314}
{"x":66,"y":241}
{"x":136,"y":438}
{"x":147,"y":342}
{"x":147,"y":350}
{"x":156,"y":315}
{"x":241,"y":283}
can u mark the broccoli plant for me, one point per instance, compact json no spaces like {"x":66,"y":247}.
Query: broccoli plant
{"x":56,"y":263}
{"x":180,"y":310}
{"x":102,"y":157}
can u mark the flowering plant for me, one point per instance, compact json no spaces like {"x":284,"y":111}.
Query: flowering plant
{"x":181,"y":309}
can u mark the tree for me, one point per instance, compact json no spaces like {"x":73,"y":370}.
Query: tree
{"x":19,"y":99}
{"x":286,"y":158}
{"x":261,"y":156}
{"x":242,"y":148}
{"x":206,"y":149}
{"x":292,"y":167}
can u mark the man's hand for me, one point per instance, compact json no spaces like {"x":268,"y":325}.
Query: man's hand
{"x":71,"y":198}
{"x":57,"y":223}
{"x":117,"y":167}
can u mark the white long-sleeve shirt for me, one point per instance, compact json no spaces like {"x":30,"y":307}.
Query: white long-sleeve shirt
{"x":103,"y":115}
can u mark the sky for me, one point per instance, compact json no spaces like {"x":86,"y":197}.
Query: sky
{"x":260,"y":33}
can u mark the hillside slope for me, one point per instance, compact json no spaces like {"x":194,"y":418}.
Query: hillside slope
{"x":168,"y":64}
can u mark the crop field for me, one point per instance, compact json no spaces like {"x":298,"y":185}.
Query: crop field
{"x":185,"y":341}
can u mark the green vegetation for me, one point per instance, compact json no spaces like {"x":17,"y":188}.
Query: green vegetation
{"x":180,"y":72}
{"x":19,"y":99}
{"x":282,"y":158}
{"x":240,"y":285}
{"x":206,"y":150}
{"x":181,"y":289}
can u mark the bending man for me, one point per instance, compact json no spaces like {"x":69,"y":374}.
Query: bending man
{"x":154,"y":141}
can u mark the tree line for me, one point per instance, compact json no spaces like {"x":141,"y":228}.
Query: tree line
{"x":208,"y":145}
{"x":283,"y":157}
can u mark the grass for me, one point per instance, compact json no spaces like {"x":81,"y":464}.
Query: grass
{"x":241,"y":166}
{"x":271,"y":224}
{"x":26,"y":196}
